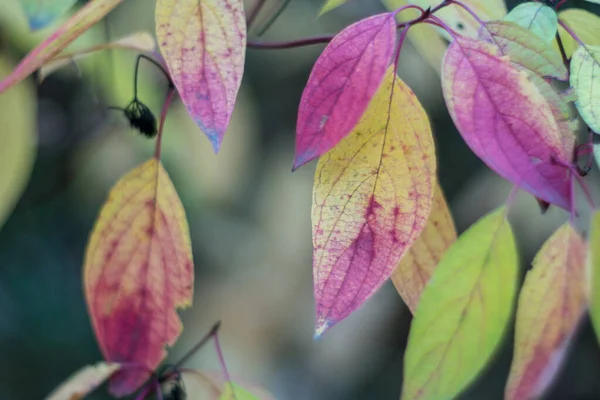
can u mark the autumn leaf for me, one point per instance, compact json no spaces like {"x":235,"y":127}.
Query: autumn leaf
{"x":417,"y":265}
{"x":551,"y":304}
{"x":371,"y":199}
{"x":84,"y":381}
{"x":505,"y":120}
{"x":342,"y":83}
{"x":138,"y":270}
{"x":41,"y":13}
{"x":139,"y":42}
{"x":585,"y":25}
{"x":431,"y":43}
{"x":536,"y":17}
{"x":18,"y":141}
{"x":463,"y":312}
{"x":529,"y":53}
{"x":585,"y":79}
{"x":204,"y":45}
{"x":80,"y":22}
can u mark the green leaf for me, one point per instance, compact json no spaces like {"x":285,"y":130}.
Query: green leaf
{"x":538,"y":18}
{"x":594,"y":269}
{"x":233,"y":391}
{"x":18,"y":141}
{"x":585,"y":79}
{"x":463,"y":312}
{"x":330,"y":5}
{"x":593,"y":1}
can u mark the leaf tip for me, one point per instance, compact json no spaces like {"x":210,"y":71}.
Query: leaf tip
{"x":322,"y":326}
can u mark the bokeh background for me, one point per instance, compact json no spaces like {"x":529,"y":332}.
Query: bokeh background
{"x":249,"y":219}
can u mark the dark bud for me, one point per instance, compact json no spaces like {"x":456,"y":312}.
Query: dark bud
{"x":544,"y":205}
{"x":175,"y":389}
{"x":141,"y":118}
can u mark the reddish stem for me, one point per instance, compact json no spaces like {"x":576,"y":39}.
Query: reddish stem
{"x":571,"y":32}
{"x":163,"y":117}
{"x":563,"y":53}
{"x":290,"y":44}
{"x":221,"y":358}
{"x":467,"y":9}
{"x":560,"y":4}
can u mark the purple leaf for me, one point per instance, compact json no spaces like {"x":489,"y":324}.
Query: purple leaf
{"x":342,"y":83}
{"x":505,"y":120}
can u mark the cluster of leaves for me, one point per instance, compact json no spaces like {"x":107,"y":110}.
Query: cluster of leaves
{"x":508,"y":79}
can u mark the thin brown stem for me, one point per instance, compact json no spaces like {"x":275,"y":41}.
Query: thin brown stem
{"x":254,"y":13}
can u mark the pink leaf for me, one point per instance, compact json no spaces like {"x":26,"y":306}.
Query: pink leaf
{"x":505,"y":120}
{"x":204,"y":45}
{"x":341,"y":85}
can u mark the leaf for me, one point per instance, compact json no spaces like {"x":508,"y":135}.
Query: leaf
{"x":80,"y":22}
{"x":204,"y":45}
{"x":529,"y":53}
{"x":505,"y":120}
{"x":536,"y":17}
{"x":428,"y":40}
{"x":18,"y":142}
{"x":138,"y":269}
{"x":371,"y":199}
{"x":139,"y":41}
{"x":551,"y":304}
{"x":526,"y":51}
{"x":342,"y":83}
{"x":463,"y":312}
{"x":330,"y":5}
{"x":41,"y":13}
{"x":594,"y":271}
{"x":209,"y":385}
{"x":585,"y":24}
{"x":84,"y":381}
{"x":593,"y":1}
{"x":417,"y":265}
{"x":585,"y":79}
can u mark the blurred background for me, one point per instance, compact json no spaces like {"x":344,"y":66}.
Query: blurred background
{"x":249,"y":219}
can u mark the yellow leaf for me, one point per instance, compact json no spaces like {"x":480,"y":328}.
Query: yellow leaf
{"x":371,"y":199}
{"x":18,"y":141}
{"x":84,"y":381}
{"x":417,"y":265}
{"x":463,"y":312}
{"x":585,"y":24}
{"x":138,"y":270}
{"x":430,"y":42}
{"x":551,"y":303}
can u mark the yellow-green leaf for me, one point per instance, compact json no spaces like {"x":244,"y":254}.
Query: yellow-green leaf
{"x":18,"y":141}
{"x":585,"y":79}
{"x":551,"y":304}
{"x":536,"y":17}
{"x":416,"y":267}
{"x":330,"y":5}
{"x":138,"y":270}
{"x":594,"y":273}
{"x":463,"y":312}
{"x":84,"y":381}
{"x":431,"y":42}
{"x":371,"y":199}
{"x":585,"y":24}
